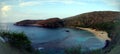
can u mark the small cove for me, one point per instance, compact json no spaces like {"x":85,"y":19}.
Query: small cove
{"x":58,"y":38}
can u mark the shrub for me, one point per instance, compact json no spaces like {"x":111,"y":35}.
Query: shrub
{"x":17,"y":40}
{"x":97,"y":51}
{"x":73,"y":50}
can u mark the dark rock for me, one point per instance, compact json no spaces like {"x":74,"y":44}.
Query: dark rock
{"x":107,"y":42}
{"x":67,"y":31}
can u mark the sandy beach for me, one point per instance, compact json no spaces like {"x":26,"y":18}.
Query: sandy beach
{"x":102,"y":35}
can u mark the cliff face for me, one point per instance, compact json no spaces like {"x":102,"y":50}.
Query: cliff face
{"x":49,"y":23}
{"x":26,"y":22}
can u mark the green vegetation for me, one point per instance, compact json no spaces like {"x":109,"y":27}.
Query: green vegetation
{"x":73,"y":50}
{"x":98,"y":19}
{"x":114,"y":34}
{"x":106,"y":26}
{"x":77,"y":50}
{"x":115,"y":50}
{"x":17,"y":40}
{"x":98,"y":51}
{"x":108,"y":21}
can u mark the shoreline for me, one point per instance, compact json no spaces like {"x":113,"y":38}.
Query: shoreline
{"x":102,"y":35}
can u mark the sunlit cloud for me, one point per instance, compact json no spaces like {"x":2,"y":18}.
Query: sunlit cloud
{"x":112,"y":2}
{"x":15,"y":10}
{"x":5,"y":9}
{"x":64,"y":1}
{"x":38,"y":2}
{"x":61,"y":1}
{"x":31,"y":3}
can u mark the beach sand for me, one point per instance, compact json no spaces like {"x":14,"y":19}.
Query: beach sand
{"x":102,"y":35}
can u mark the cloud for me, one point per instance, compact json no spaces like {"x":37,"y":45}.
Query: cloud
{"x":112,"y":2}
{"x":30,"y":3}
{"x":64,"y":1}
{"x":5,"y":9}
{"x":37,"y":2}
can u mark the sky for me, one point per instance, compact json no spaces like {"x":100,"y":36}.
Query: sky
{"x":17,"y":10}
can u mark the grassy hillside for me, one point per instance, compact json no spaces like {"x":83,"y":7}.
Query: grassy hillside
{"x":95,"y":19}
{"x":108,"y":21}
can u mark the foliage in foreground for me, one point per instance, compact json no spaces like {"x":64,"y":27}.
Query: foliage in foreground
{"x":97,"y":51}
{"x":77,"y":50}
{"x":74,"y":50}
{"x":17,"y":40}
{"x":20,"y":41}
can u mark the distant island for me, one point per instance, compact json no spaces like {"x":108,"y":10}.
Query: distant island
{"x":108,"y":21}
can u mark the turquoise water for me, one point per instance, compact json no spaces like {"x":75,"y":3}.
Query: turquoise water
{"x":45,"y":38}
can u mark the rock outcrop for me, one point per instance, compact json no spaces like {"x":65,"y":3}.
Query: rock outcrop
{"x":49,"y":23}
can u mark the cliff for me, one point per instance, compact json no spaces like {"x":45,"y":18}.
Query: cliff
{"x":48,"y":23}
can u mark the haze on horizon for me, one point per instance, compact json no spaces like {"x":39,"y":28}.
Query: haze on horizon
{"x":16,"y":10}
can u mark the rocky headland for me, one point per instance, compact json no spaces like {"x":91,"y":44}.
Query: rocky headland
{"x":48,"y":23}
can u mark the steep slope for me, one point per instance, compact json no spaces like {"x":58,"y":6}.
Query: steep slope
{"x":108,"y":21}
{"x":92,"y":19}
